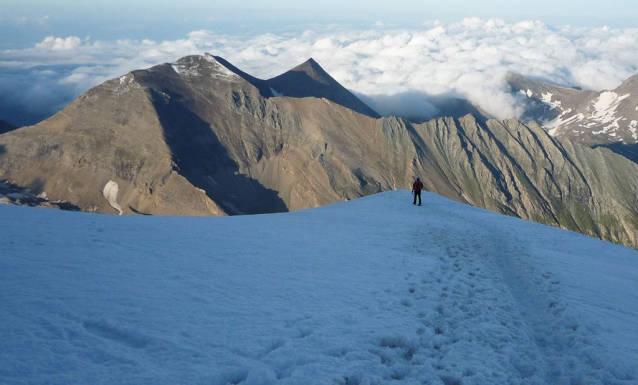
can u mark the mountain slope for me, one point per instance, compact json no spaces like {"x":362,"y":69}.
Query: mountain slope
{"x":112,"y":132}
{"x":588,"y":117}
{"x":370,"y":291}
{"x":198,"y":138}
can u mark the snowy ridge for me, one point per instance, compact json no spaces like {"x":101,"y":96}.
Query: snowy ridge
{"x":369,"y":291}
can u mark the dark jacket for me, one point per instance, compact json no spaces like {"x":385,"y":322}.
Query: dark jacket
{"x":417,"y":186}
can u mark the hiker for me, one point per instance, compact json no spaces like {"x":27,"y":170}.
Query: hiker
{"x":416,"y":190}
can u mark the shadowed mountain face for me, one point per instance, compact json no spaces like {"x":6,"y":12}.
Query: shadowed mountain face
{"x":306,"y":80}
{"x":310,"y":80}
{"x":200,"y":137}
{"x":6,"y":127}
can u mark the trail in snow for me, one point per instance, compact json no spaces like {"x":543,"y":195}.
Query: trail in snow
{"x":491,"y":303}
{"x":364,"y":292}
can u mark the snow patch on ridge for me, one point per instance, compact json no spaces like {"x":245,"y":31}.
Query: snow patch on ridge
{"x":633,"y":127}
{"x":547,"y":98}
{"x":219,"y":70}
{"x":192,"y":68}
{"x":555,"y":124}
{"x":604,"y":112}
{"x":187,"y":71}
{"x":275,"y":93}
{"x":125,"y":84}
{"x":110,"y":194}
{"x":599,"y":115}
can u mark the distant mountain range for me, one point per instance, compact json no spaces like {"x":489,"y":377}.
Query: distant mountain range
{"x":605,"y":118}
{"x":201,"y":137}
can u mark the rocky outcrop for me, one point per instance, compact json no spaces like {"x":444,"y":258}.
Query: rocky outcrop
{"x":198,"y":137}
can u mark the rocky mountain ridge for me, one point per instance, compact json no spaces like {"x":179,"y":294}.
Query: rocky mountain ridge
{"x":200,"y":137}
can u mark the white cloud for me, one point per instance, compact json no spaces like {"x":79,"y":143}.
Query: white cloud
{"x":59,"y":44}
{"x":401,"y":71}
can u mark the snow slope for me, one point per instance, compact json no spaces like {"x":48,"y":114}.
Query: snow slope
{"x":363,"y":292}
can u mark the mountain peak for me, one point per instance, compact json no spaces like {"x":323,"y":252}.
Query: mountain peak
{"x":311,"y":68}
{"x":196,"y":65}
{"x":308,"y":64}
{"x":309,"y":79}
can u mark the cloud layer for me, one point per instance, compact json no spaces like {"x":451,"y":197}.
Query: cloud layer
{"x":401,"y":72}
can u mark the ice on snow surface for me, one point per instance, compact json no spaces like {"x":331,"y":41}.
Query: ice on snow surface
{"x":370,"y":291}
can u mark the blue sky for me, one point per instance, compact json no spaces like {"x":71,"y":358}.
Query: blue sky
{"x":24,"y":23}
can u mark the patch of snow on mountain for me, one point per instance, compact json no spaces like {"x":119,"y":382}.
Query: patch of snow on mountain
{"x":529,"y":93}
{"x":371,"y":291}
{"x":187,"y":70}
{"x":275,"y":93}
{"x":190,"y":67}
{"x":110,"y":194}
{"x":547,"y":99}
{"x":604,"y":109}
{"x":219,"y":70}
{"x":125,"y":84}
{"x":553,"y":125}
{"x":633,"y":128}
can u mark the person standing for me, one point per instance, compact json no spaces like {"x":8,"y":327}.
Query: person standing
{"x":417,"y":186}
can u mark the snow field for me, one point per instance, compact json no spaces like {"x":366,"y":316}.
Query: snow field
{"x":370,"y":291}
